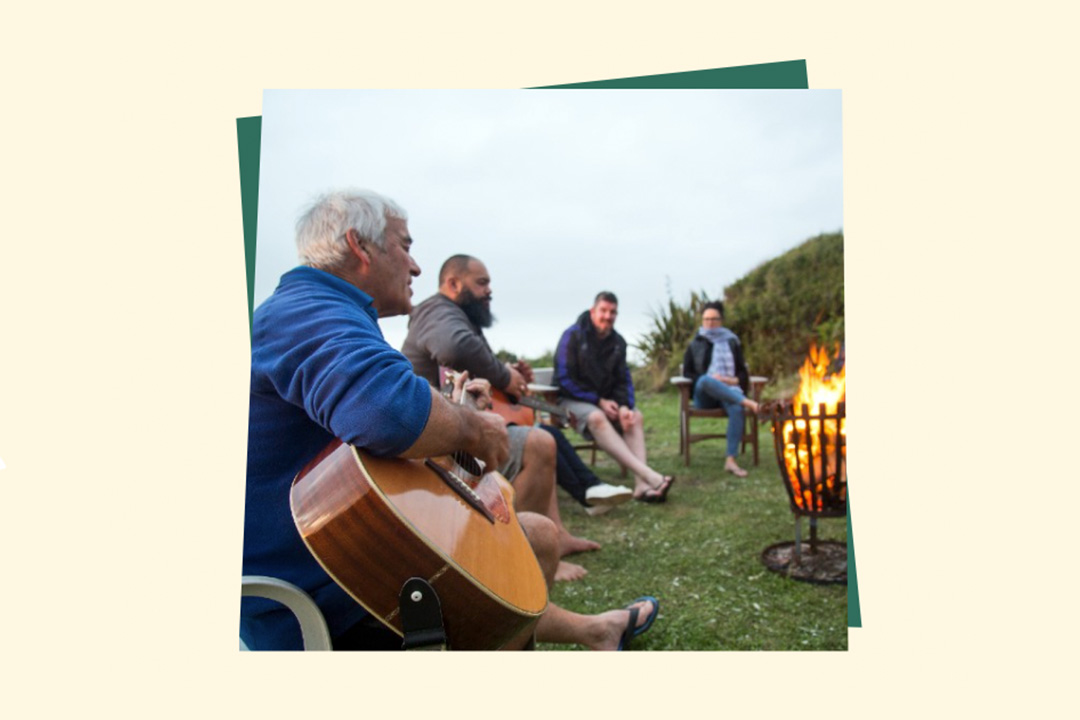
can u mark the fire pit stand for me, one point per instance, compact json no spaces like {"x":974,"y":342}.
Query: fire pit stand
{"x":811,"y":452}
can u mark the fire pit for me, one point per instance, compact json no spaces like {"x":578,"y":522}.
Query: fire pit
{"x":809,"y":435}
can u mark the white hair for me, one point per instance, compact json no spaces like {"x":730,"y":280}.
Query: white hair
{"x":320,"y":232}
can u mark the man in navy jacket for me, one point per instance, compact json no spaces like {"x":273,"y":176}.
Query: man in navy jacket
{"x":594,"y":384}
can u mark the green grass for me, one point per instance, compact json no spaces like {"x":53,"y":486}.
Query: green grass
{"x":699,"y":553}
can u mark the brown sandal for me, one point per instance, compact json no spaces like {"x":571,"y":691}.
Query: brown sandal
{"x":651,"y":496}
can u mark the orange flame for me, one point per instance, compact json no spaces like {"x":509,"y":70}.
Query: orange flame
{"x":813,"y":474}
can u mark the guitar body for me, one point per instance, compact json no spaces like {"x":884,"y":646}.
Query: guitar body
{"x":373,"y":523}
{"x":511,"y":409}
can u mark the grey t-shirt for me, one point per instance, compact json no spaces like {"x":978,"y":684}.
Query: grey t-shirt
{"x":440,"y":333}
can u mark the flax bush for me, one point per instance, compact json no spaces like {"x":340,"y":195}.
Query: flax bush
{"x":665,"y":342}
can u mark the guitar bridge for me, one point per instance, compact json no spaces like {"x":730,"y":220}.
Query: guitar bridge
{"x":462,"y":488}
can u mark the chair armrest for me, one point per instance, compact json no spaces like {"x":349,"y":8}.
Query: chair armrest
{"x":685,"y":387}
{"x":542,"y":389}
{"x":312,"y":624}
{"x":543,"y":376}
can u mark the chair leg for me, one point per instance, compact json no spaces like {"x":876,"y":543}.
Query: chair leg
{"x":682,"y":435}
{"x":754,"y":426}
{"x":686,"y":441}
{"x":745,"y":433}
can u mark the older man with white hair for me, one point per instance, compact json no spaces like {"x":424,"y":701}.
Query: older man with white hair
{"x":320,"y":370}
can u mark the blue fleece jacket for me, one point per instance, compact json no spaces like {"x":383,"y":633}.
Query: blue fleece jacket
{"x":320,"y":369}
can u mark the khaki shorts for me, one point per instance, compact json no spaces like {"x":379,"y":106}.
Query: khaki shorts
{"x":582,"y":410}
{"x":512,"y":466}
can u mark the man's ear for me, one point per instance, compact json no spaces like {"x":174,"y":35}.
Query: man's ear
{"x":358,"y":247}
{"x":452,"y":286}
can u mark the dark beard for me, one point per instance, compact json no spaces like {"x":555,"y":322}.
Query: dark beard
{"x":478,"y":311}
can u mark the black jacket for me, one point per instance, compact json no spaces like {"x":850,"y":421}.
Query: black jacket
{"x":589,"y":368}
{"x":699,"y":355}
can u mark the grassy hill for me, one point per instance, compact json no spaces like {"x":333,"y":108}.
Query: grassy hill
{"x":783,"y":305}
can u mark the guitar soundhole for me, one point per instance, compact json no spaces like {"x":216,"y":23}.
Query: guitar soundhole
{"x":469,"y":464}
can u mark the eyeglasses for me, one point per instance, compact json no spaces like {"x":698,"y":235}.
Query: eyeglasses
{"x":711,"y":318}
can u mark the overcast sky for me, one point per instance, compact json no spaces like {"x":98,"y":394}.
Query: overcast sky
{"x":562,"y":193}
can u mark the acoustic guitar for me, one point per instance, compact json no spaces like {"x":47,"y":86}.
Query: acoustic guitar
{"x":373,"y":523}
{"x":520,"y":409}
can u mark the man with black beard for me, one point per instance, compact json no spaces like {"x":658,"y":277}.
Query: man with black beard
{"x":447,"y":330}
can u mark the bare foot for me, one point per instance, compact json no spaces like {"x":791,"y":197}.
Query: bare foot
{"x":568,"y":544}
{"x":751,"y":405}
{"x":612,"y":624}
{"x":568,"y":572}
{"x":733,"y":467}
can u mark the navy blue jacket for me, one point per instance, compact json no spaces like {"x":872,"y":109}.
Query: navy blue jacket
{"x":588,"y":367}
{"x":320,"y":369}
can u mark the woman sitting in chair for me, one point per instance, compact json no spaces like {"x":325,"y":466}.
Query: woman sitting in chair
{"x":714,"y":362}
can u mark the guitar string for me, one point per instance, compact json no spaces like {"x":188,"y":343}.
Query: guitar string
{"x":465,"y":462}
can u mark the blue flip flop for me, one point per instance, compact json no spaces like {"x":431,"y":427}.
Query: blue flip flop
{"x":632,"y":630}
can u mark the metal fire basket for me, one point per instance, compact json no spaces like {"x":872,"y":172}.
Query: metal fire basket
{"x":811,"y":452}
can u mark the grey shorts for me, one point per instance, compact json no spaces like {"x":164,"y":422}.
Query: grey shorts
{"x":512,"y":466}
{"x":582,"y":410}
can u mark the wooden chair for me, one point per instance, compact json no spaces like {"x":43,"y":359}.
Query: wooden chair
{"x":687,"y":412}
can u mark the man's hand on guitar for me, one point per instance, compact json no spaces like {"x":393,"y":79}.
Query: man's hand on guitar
{"x":525,"y":369}
{"x":491,"y":444}
{"x":477,"y":392}
{"x":518,"y":384}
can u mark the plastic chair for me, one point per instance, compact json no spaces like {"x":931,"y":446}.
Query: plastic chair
{"x":313,"y":627}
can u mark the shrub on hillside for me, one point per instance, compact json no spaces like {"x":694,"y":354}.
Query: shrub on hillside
{"x":783,"y":305}
{"x":663,"y":345}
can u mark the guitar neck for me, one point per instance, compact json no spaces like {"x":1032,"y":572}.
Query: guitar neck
{"x":537,"y":404}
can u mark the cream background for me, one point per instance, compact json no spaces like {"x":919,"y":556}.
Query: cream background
{"x":124,"y":349}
